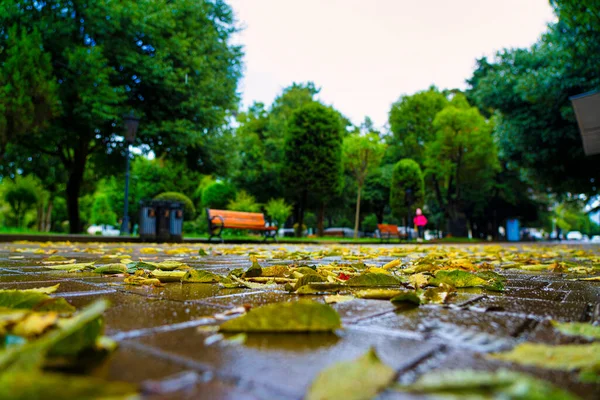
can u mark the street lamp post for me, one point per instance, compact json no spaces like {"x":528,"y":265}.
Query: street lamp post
{"x":131,"y":126}
{"x":409,"y":203}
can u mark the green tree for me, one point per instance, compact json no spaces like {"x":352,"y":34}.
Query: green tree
{"x":461,"y":162}
{"x":243,"y":202}
{"x":362,"y":154}
{"x":530,"y":88}
{"x":28,"y":94}
{"x":411,"y":124}
{"x":279,"y":211}
{"x":377,"y":191}
{"x":260,"y":140}
{"x":408,"y":189}
{"x":217,"y":195}
{"x":102,"y":214}
{"x":313,"y":157}
{"x":22,"y":194}
{"x":171,"y":62}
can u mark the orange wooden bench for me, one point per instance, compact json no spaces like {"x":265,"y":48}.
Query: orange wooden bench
{"x":225,"y":219}
{"x":387,"y":230}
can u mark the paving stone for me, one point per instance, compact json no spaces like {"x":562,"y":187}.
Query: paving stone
{"x":536,"y":294}
{"x":466,"y":360}
{"x":538,"y":309}
{"x":182,"y":292}
{"x":544,"y":332}
{"x":484,"y":331}
{"x":66,"y":286}
{"x":290,"y":362}
{"x":589,"y":294}
{"x":129,"y":312}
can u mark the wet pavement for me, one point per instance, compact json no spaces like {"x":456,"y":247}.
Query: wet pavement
{"x":162,"y":349}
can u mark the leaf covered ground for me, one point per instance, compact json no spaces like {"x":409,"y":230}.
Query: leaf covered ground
{"x":307,"y":290}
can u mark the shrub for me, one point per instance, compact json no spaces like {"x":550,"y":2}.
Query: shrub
{"x":406,"y":175}
{"x":102,"y":214}
{"x":279,"y":211}
{"x":217,"y":195}
{"x":243,"y":202}
{"x":369,"y":223}
{"x":21,"y":195}
{"x":189,"y":211}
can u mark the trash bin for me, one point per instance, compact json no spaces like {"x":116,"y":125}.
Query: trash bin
{"x":176,"y":222}
{"x":147,"y":222}
{"x":512,"y":230}
{"x":161,"y":221}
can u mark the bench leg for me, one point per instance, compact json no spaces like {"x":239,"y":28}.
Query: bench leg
{"x":270,"y":235}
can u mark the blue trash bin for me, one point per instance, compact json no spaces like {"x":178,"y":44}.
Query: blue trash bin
{"x":176,"y":222}
{"x":513,"y":230}
{"x":147,"y":228}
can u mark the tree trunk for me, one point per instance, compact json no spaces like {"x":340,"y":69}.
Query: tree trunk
{"x":357,"y":216}
{"x":379,"y":213}
{"x":321,"y":220}
{"x":48,"y":222}
{"x":73,"y":190}
{"x":40,"y":217}
{"x":300,"y":222}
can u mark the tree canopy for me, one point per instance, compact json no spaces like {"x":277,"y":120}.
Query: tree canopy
{"x":170,"y":62}
{"x":313,"y":155}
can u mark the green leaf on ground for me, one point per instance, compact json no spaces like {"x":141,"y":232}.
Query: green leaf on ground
{"x":406,"y":297}
{"x":278,"y":271}
{"x":568,"y":357}
{"x":320,"y":287}
{"x":253,"y":285}
{"x":141,"y":281}
{"x":577,"y":329}
{"x":170,"y":265}
{"x":38,"y":385}
{"x":300,"y":316}
{"x":111,"y":269}
{"x":72,"y":267}
{"x":202,"y":252}
{"x":437,"y":295}
{"x":31,"y":355}
{"x":419,"y":280}
{"x":374,"y":280}
{"x":359,"y":379}
{"x":168,"y":276}
{"x":378,"y":294}
{"x":338,"y":298}
{"x":254,"y":270}
{"x":47,"y":289}
{"x":33,"y":300}
{"x":201,"y":276}
{"x":483,"y":385}
{"x":463,"y":279}
{"x":308,"y":278}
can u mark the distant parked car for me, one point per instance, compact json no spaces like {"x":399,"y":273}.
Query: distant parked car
{"x":574,"y":235}
{"x":595,"y":239}
{"x":104,"y":230}
{"x":341,"y":232}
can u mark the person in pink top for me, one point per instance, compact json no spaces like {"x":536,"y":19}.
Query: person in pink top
{"x":420,"y":221}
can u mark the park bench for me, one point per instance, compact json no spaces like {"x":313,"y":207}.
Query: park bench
{"x":225,"y":219}
{"x":387,"y":230}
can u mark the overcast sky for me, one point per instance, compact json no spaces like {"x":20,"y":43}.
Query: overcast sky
{"x":364,"y":54}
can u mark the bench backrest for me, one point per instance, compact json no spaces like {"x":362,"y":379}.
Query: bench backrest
{"x":236,"y":218}
{"x":387,"y":228}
